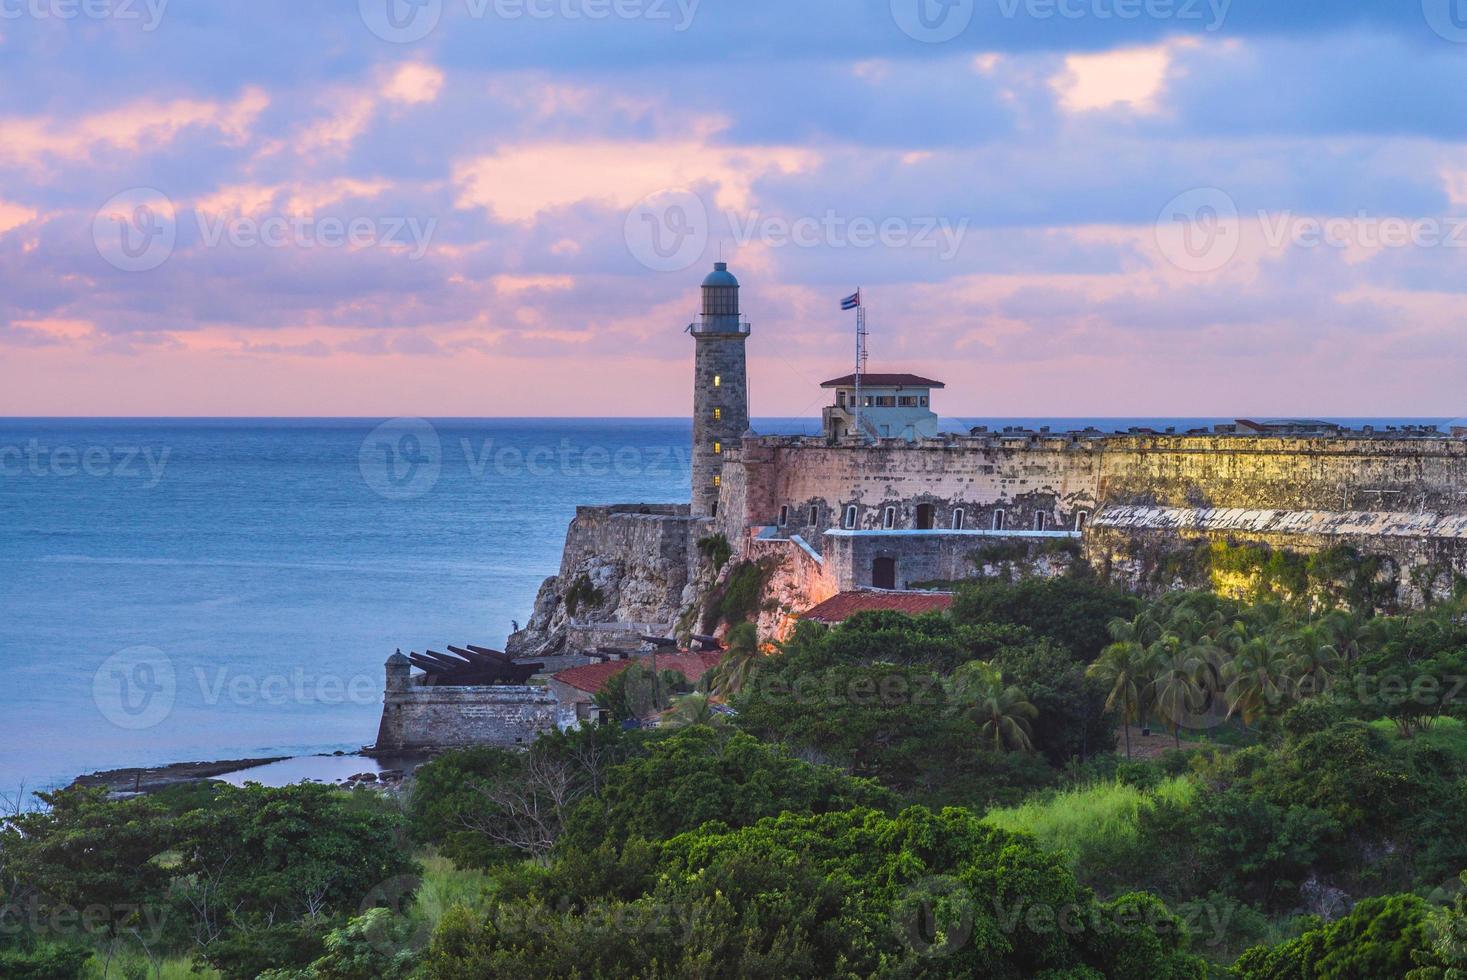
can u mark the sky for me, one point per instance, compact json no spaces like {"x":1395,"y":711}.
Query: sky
{"x":504,"y":207}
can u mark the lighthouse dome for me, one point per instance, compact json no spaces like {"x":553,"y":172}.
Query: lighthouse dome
{"x":720,"y":276}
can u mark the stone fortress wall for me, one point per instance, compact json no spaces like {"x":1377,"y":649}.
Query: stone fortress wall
{"x":419,"y":717}
{"x":1127,"y":499}
{"x":622,"y":564}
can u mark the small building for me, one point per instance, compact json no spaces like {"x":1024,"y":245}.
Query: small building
{"x":844,"y":605}
{"x":890,"y":406}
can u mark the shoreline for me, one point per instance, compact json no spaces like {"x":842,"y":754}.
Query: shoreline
{"x":346,"y":769}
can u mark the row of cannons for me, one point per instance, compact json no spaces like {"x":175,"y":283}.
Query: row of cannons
{"x":475,"y":666}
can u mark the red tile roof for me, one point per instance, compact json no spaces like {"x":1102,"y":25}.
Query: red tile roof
{"x":847,"y":604}
{"x":591,"y":678}
{"x":884,"y":381}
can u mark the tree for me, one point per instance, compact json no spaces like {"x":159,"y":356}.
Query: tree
{"x":83,"y":852}
{"x":852,"y":892}
{"x":267,"y":872}
{"x":1073,"y":612}
{"x":697,"y":774}
{"x":1073,"y":720}
{"x":1004,"y":716}
{"x":1258,"y":678}
{"x":1178,"y":672}
{"x":693,"y":709}
{"x":740,"y":658}
{"x":1313,"y":658}
{"x":1123,"y":669}
{"x":1447,"y":957}
{"x":1380,"y":937}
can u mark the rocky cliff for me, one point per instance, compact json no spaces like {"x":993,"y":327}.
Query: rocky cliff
{"x":624,"y":564}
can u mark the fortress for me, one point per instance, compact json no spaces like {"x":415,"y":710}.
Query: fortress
{"x":882,"y":500}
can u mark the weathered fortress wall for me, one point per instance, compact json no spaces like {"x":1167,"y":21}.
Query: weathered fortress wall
{"x":1133,"y":498}
{"x":625,"y":563}
{"x":1022,"y":476}
{"x":421,"y":717}
{"x":1345,"y":473}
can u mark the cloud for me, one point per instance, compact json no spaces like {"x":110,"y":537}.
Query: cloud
{"x":138,"y":127}
{"x":1132,"y":77}
{"x":14,"y":215}
{"x":521,"y":182}
{"x":414,"y":84}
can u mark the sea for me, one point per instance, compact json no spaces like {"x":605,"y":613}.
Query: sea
{"x":176,"y":590}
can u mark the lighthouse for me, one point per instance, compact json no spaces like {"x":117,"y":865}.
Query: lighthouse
{"x":720,"y":386}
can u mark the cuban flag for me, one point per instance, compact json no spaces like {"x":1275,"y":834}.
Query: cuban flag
{"x":852,"y":301}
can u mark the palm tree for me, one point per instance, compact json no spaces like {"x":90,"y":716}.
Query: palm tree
{"x":1257,"y":678}
{"x":1122,"y":667}
{"x":692,"y":709}
{"x":740,"y":659}
{"x":1313,"y":659}
{"x":1177,"y":668}
{"x":1004,"y":714}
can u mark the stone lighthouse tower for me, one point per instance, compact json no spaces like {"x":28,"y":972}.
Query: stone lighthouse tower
{"x":720,"y":386}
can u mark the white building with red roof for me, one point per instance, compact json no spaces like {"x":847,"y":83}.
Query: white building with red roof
{"x":884,"y":405}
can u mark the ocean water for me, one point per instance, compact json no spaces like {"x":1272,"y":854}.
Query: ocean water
{"x":191,"y":590}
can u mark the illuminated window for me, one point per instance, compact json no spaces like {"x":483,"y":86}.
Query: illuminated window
{"x":718,"y":481}
{"x":718,"y":449}
{"x":718,"y":415}
{"x":718,"y":381}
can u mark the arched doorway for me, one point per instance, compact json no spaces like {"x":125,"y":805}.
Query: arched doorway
{"x":883,"y":573}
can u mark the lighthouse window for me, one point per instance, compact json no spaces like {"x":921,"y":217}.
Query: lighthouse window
{"x":717,"y":481}
{"x":718,"y":449}
{"x":718,"y":415}
{"x":718,"y":381}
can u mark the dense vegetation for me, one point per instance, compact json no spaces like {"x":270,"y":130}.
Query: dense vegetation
{"x":1055,"y":780}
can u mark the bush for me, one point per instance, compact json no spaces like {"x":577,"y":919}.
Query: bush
{"x":1381,"y":937}
{"x":1072,"y":612}
{"x":698,"y":775}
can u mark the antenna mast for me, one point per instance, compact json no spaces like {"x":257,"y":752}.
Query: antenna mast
{"x":860,"y":360}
